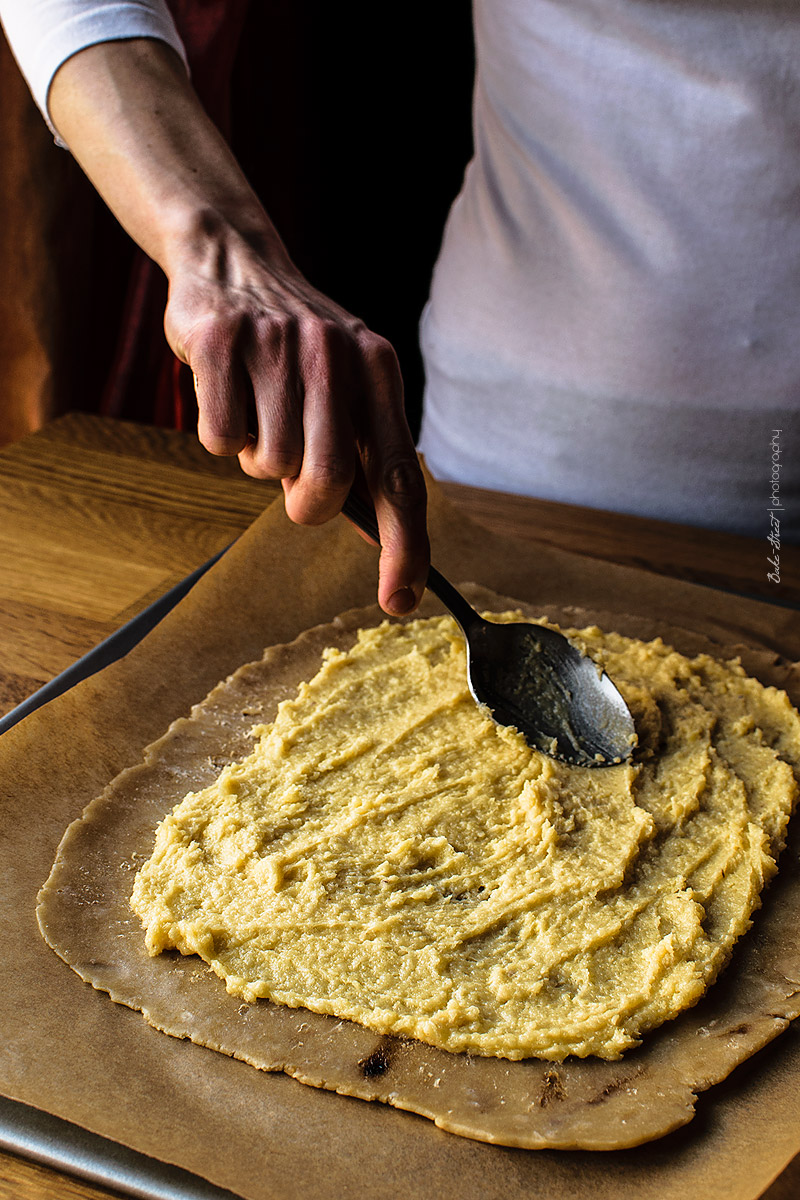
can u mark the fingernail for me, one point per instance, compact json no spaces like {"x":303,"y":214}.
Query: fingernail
{"x":402,"y":601}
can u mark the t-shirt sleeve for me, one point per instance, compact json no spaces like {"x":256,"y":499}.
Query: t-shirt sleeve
{"x":43,"y":34}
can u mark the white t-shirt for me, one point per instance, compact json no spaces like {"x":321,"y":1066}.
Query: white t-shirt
{"x":615,"y":311}
{"x":43,"y":34}
{"x":615,"y":314}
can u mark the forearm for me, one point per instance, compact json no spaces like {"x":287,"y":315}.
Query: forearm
{"x":130,"y":116}
{"x":296,"y":386}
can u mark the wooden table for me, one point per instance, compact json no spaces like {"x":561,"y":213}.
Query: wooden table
{"x":98,"y":518}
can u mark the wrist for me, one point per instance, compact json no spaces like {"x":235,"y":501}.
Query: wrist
{"x":130,"y":116}
{"x":215,"y":237}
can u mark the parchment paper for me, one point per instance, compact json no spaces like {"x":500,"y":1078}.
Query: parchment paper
{"x":85,"y":915}
{"x":68,"y":1050}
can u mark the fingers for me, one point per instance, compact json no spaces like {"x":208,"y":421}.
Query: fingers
{"x":305,"y":393}
{"x":298,"y":380}
{"x":317,"y":491}
{"x":275,"y":448}
{"x":395,"y":480}
{"x":218,"y":385}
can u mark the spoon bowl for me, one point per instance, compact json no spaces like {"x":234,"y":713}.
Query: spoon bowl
{"x":535,"y":679}
{"x":532,"y":677}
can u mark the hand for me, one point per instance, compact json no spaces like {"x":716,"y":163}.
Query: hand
{"x":297,"y":387}
{"x":301,"y":391}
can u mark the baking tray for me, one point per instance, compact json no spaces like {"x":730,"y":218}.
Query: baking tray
{"x":112,"y":648}
{"x":67,"y":1147}
{"x":38,"y":1135}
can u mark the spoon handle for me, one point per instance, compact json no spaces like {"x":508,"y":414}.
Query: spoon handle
{"x":451,"y":598}
{"x":362,"y":514}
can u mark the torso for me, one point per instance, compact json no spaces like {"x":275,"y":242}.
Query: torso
{"x":613,"y":317}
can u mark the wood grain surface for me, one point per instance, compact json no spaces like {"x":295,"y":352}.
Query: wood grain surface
{"x":98,"y":518}
{"x":721,"y":560}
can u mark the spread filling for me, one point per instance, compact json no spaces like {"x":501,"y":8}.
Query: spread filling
{"x":388,"y":854}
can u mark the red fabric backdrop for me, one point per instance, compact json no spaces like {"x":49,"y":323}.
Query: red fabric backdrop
{"x":352,"y":125}
{"x":146,"y":382}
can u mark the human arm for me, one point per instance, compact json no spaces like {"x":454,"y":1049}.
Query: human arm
{"x":327,"y":392}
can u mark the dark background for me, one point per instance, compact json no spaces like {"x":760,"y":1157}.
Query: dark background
{"x":353,"y":123}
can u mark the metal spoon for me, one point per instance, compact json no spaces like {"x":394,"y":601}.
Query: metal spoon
{"x":532,"y":677}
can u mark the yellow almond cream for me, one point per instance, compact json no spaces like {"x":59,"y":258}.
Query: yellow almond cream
{"x":388,"y":854}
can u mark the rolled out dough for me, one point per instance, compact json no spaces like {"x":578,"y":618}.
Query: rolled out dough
{"x":84,"y":915}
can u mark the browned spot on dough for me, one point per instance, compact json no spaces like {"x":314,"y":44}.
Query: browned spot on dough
{"x":552,"y":1089}
{"x":740,"y":1029}
{"x":376,"y":1063}
{"x":616,"y":1085}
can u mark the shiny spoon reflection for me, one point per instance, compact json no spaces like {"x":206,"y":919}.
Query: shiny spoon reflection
{"x":532,"y":677}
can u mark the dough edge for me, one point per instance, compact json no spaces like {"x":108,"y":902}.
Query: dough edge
{"x":84,"y":916}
